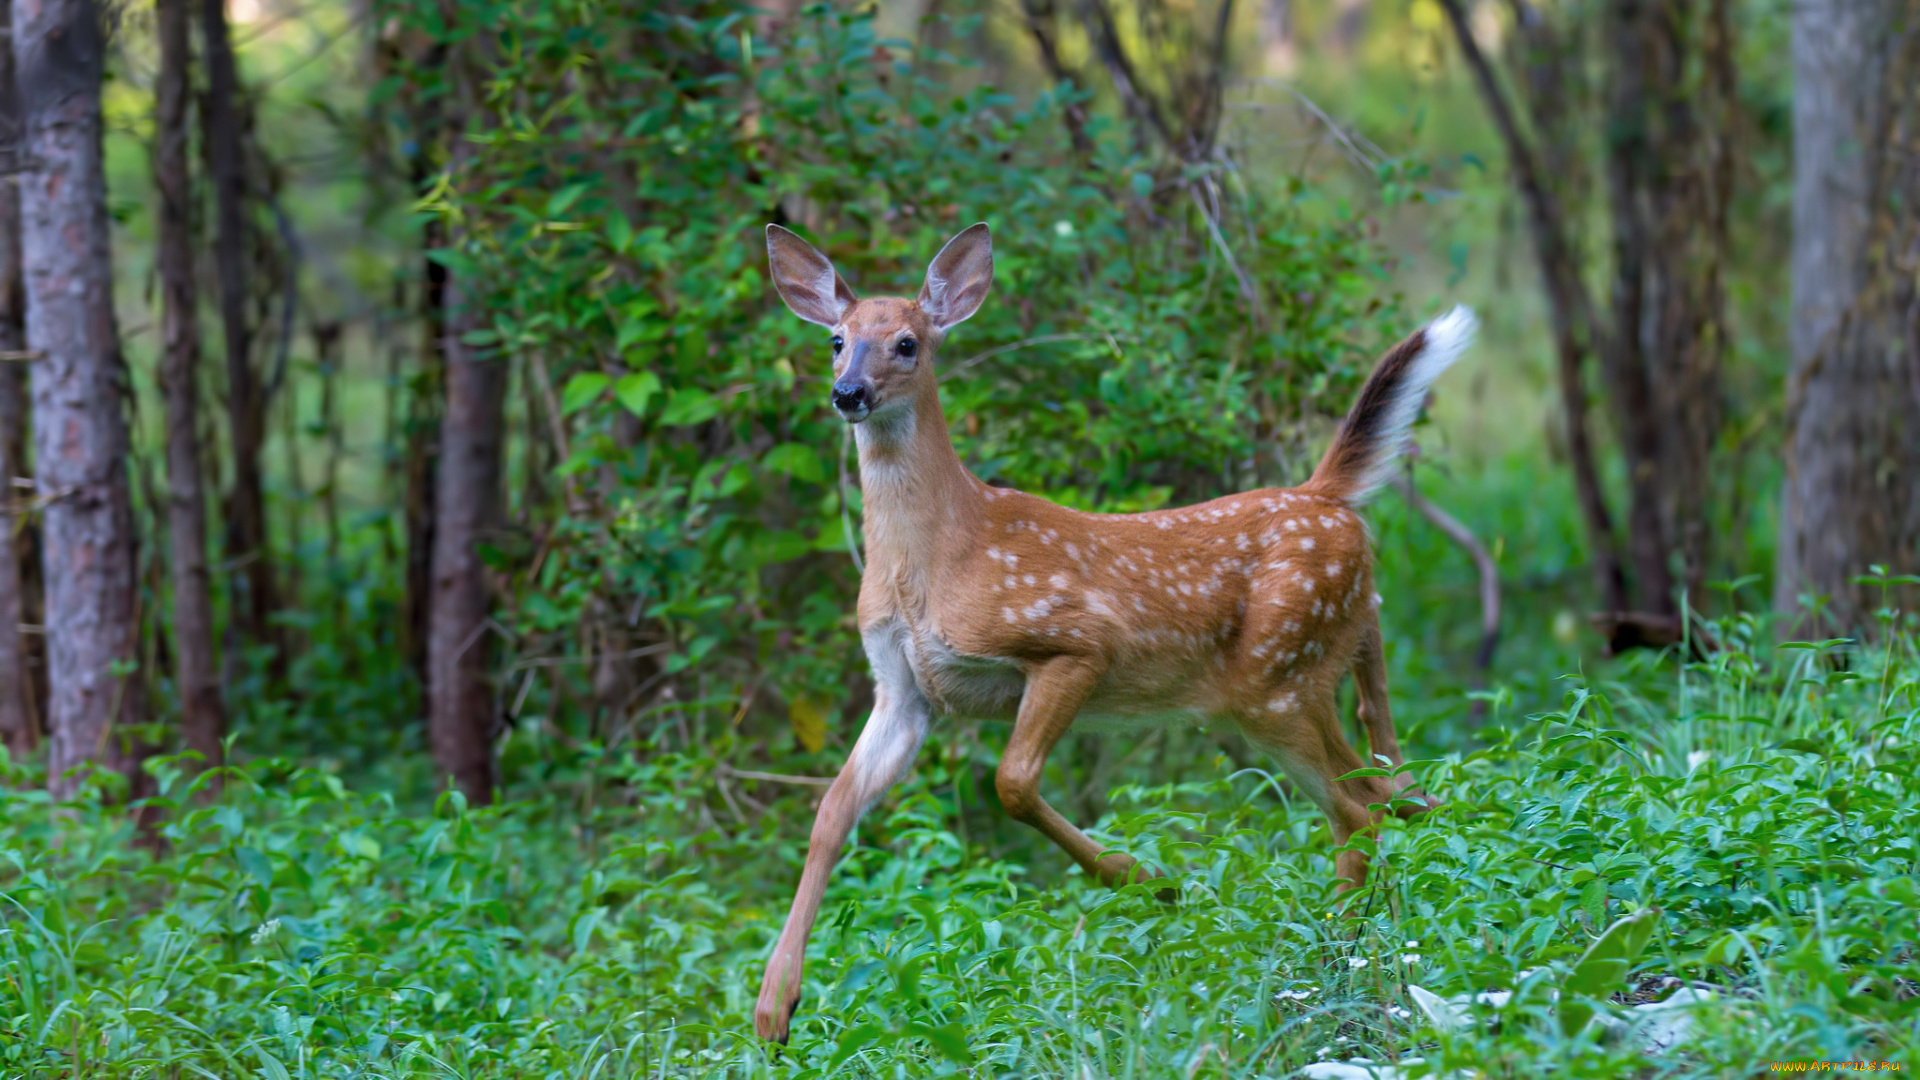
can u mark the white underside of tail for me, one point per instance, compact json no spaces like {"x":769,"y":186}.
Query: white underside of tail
{"x":1447,"y":337}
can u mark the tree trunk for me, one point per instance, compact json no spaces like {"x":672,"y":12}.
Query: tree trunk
{"x":462,"y":710}
{"x":1670,"y":178}
{"x":424,"y":390}
{"x":79,"y":392}
{"x":254,"y":597}
{"x":203,"y":714}
{"x":1850,"y":500}
{"x":1548,"y":58}
{"x":1670,"y":77}
{"x":19,"y":727}
{"x":424,"y":397}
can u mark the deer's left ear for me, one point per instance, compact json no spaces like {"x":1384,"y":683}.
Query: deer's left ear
{"x":959,"y":277}
{"x":806,"y":279}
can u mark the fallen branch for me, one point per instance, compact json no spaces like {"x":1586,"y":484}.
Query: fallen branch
{"x":1482,"y":559}
{"x":776,"y":778}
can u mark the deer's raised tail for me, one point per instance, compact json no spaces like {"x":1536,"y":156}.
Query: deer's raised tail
{"x":1374,"y":434}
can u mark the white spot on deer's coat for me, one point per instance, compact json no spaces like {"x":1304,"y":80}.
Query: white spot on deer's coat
{"x":1306,"y":543}
{"x":1039,"y":609}
{"x":1028,"y":579}
{"x":1008,"y":613}
{"x":1058,"y":581}
{"x":1333,"y":569}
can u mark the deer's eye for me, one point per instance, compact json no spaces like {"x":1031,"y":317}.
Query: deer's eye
{"x":838,"y":343}
{"x":907,"y":346}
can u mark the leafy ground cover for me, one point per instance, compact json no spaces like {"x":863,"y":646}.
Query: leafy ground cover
{"x":1758,"y":804}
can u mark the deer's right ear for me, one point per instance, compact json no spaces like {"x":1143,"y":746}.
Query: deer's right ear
{"x":806,"y":279}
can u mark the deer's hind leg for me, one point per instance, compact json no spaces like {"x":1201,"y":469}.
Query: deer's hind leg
{"x":1376,"y":716}
{"x":1301,"y":728}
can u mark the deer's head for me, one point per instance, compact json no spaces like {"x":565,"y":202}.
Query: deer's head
{"x":883,"y":347}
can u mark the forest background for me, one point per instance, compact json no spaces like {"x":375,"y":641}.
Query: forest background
{"x":397,"y":414}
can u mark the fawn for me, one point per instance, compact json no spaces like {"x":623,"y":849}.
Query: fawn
{"x":986,"y":602}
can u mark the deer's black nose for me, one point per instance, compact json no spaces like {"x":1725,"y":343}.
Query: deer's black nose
{"x":852,"y":399}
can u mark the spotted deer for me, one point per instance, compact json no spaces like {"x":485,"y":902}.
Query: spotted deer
{"x":986,"y":602}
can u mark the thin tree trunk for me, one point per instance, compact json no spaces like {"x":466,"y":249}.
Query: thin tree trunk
{"x":424,"y":391}
{"x":463,"y":713}
{"x":326,"y":346}
{"x":203,"y":713}
{"x":18,"y":722}
{"x":1568,"y":303}
{"x":1850,"y":500}
{"x":79,"y":393}
{"x":462,"y":703}
{"x":424,"y":398}
{"x":255,"y":597}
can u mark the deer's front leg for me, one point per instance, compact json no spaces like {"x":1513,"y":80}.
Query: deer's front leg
{"x":1055,"y":692}
{"x":887,"y":745}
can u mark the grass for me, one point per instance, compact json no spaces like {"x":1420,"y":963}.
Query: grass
{"x":1760,"y":803}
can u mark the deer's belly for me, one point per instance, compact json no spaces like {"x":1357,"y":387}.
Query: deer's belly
{"x":957,"y":684}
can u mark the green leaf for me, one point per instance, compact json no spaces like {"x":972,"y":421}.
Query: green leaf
{"x":1603,"y":968}
{"x":857,"y":1039}
{"x":455,"y":260}
{"x":635,"y":389}
{"x":582,"y":390}
{"x":583,"y":928}
{"x":256,"y":865}
{"x":563,"y":200}
{"x":1142,"y":184}
{"x":796,"y":460}
{"x":689,"y":407}
{"x":949,"y":1039}
{"x":619,"y":231}
{"x":270,"y":1067}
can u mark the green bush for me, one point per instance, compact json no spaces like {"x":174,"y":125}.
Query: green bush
{"x":622,"y":167}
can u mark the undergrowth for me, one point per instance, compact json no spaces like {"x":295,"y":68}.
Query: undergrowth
{"x":1760,"y":802}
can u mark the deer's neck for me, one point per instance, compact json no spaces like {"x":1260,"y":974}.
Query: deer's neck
{"x":922,"y":507}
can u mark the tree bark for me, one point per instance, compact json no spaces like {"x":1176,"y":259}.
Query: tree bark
{"x":254,"y":596}
{"x":19,"y":727}
{"x":79,"y":391}
{"x":1669,"y":170}
{"x":203,"y":714}
{"x":463,"y":715}
{"x":1850,"y":500}
{"x":424,"y":398}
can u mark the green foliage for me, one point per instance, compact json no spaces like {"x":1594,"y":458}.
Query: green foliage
{"x":1748,"y":824}
{"x":608,"y":206}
